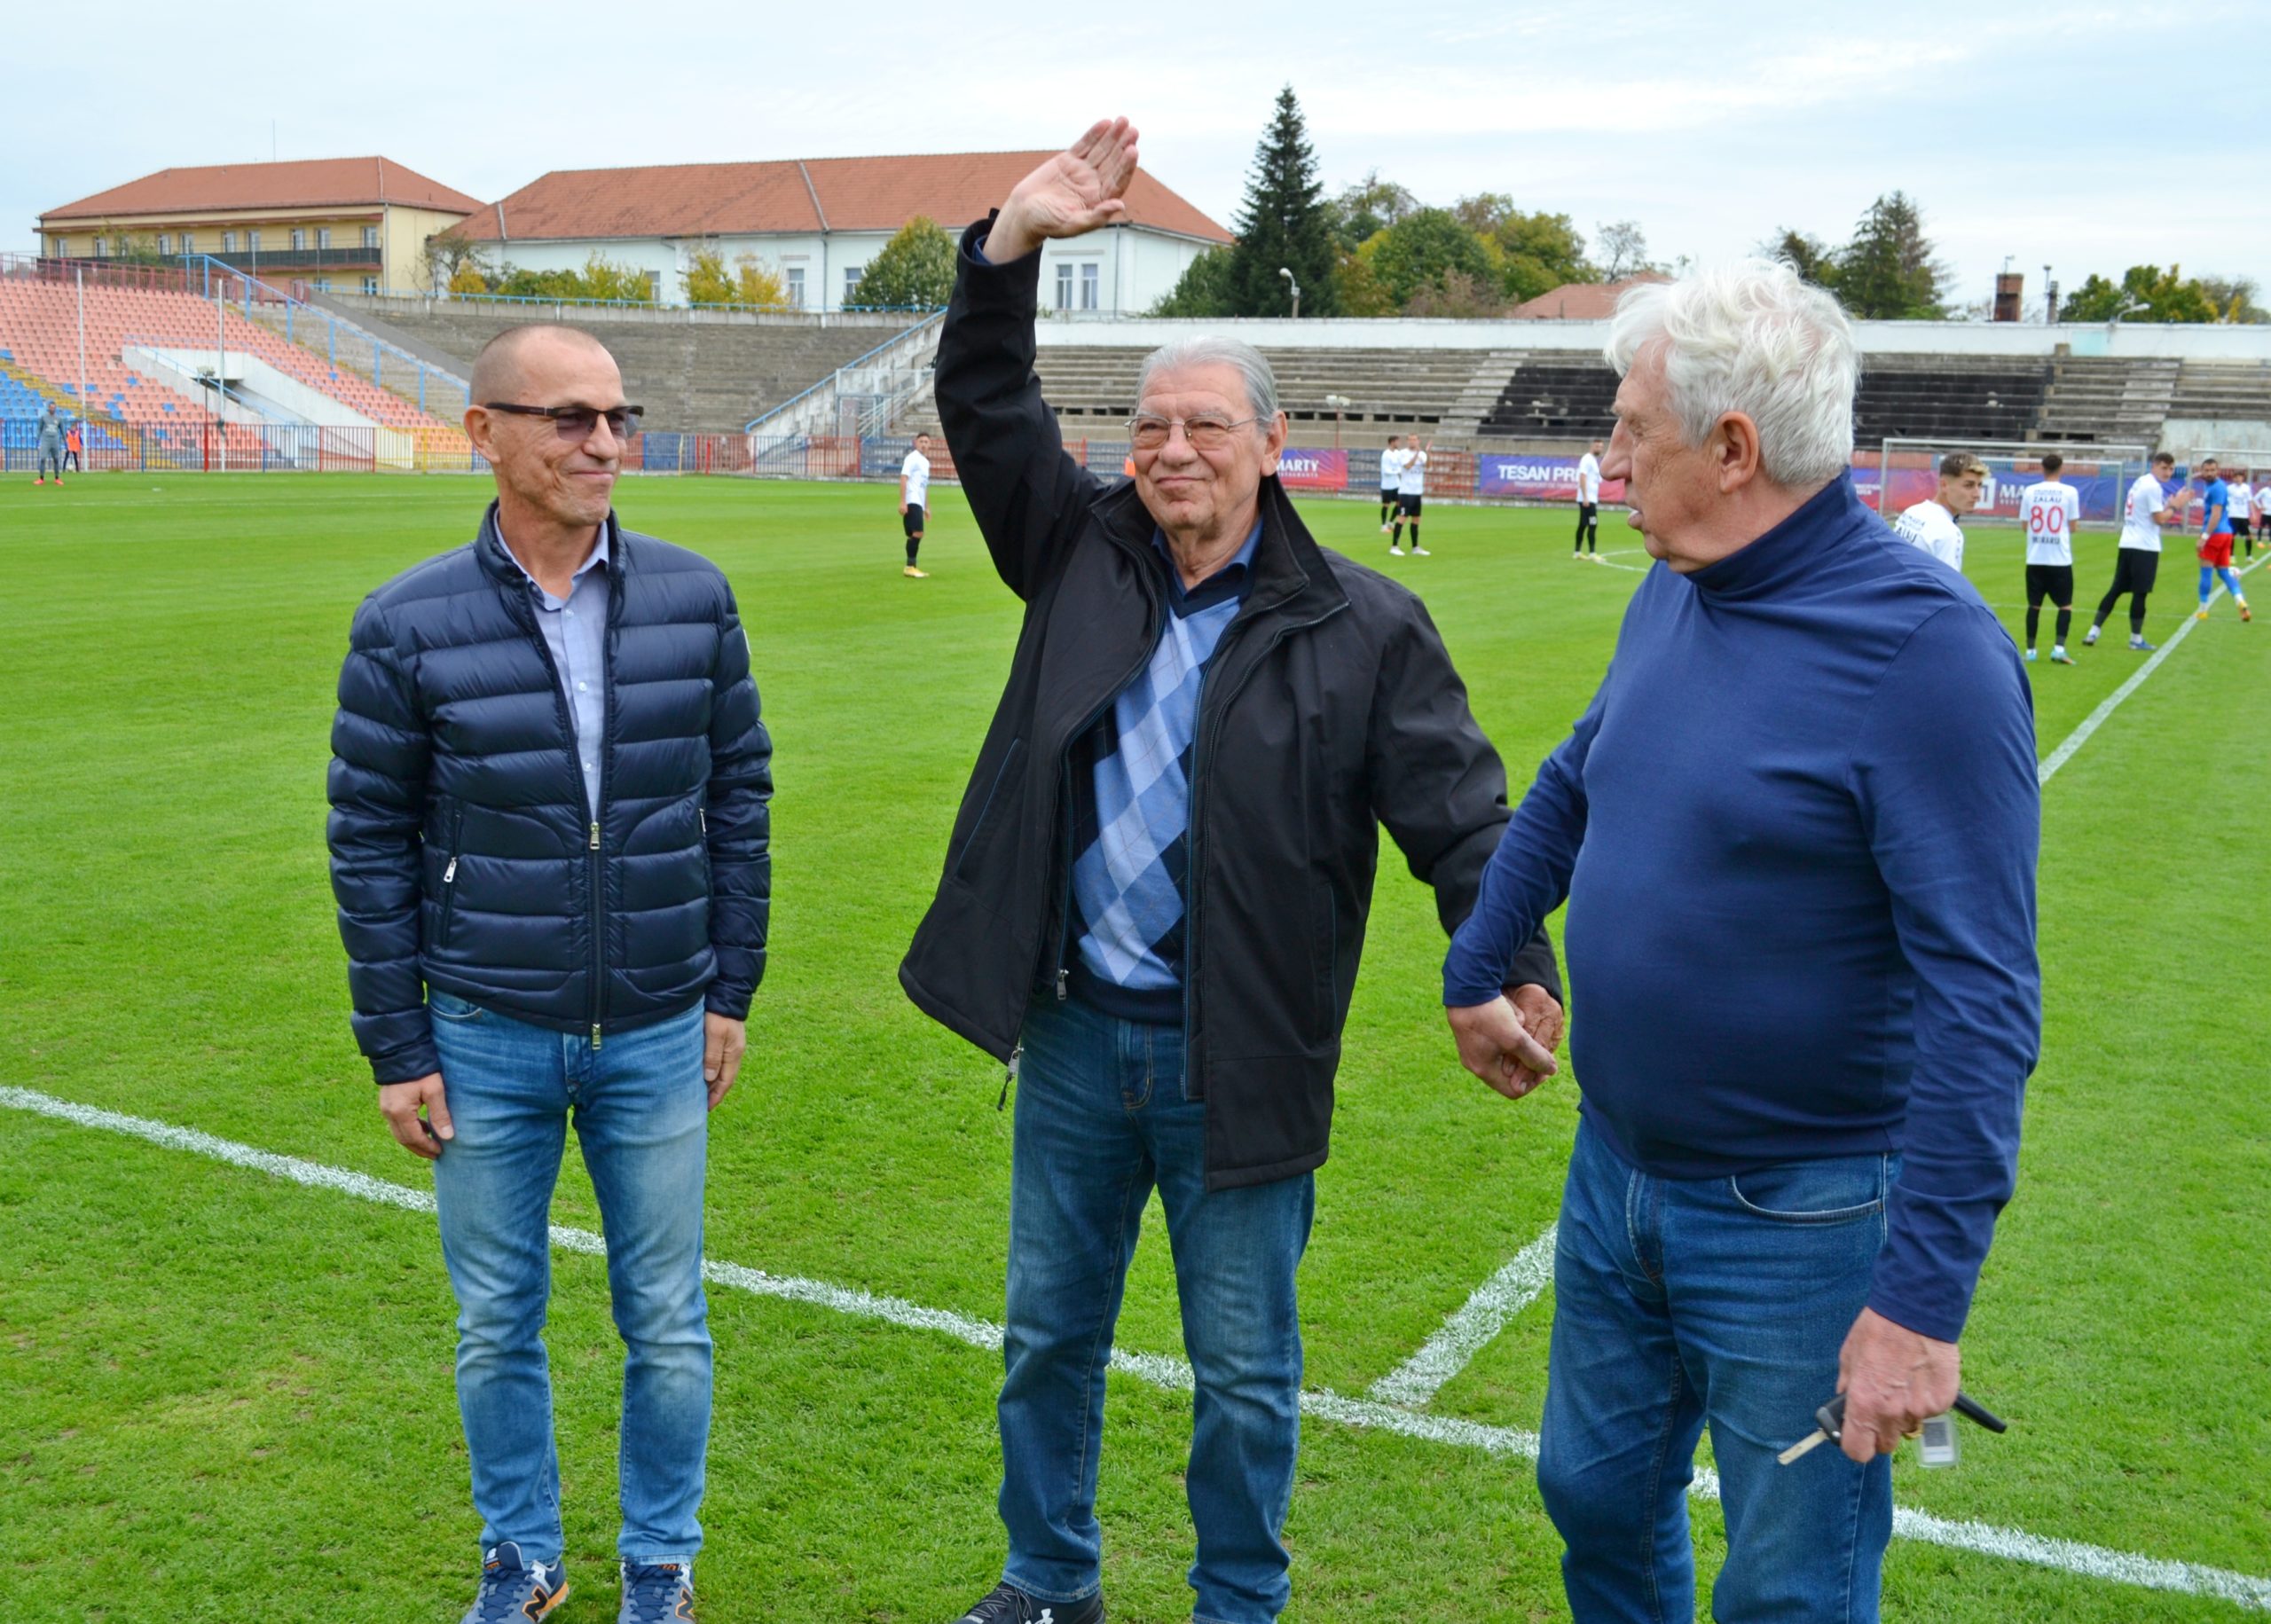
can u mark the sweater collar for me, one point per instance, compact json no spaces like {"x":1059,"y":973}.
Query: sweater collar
{"x":1789,"y":552}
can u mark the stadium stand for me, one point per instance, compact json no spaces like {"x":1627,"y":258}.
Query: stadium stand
{"x":1557,"y":396}
{"x":692,"y":371}
{"x":40,"y":337}
{"x":2222,"y":391}
{"x":1946,"y":396}
{"x":2103,"y":398}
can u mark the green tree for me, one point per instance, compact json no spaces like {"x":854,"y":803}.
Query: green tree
{"x":2235,"y":297}
{"x":758,"y":284}
{"x":1886,"y":272}
{"x":1422,"y":249}
{"x":2145,"y":292}
{"x":916,"y":269}
{"x":1367,"y":209}
{"x":1356,"y":282}
{"x":1283,"y":223}
{"x":1205,"y":288}
{"x":709,"y":279}
{"x":1812,"y":258}
{"x":1460,"y":297}
{"x":1536,"y":252}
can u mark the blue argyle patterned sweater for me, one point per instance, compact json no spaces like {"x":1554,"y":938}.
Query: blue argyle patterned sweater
{"x":1131,"y":805}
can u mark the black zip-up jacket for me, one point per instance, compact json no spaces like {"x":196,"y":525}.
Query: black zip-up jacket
{"x":1330,"y":708}
{"x":463,"y":853}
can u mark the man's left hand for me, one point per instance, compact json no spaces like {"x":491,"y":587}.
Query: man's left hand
{"x":1540,"y":1012}
{"x":723,"y":1040}
{"x":1495,"y":1043}
{"x":1893,"y":1379}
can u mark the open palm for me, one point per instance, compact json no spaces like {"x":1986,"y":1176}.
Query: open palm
{"x":1077,"y":190}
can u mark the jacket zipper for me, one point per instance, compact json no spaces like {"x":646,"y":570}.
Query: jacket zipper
{"x":1194,"y":870}
{"x":1064,"y":800}
{"x":449,"y":874}
{"x":607,"y":753}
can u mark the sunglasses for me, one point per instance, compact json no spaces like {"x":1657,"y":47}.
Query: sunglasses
{"x":575,"y":423}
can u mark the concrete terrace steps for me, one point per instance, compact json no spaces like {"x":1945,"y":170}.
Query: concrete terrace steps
{"x":692,"y":375}
{"x":2102,"y":398}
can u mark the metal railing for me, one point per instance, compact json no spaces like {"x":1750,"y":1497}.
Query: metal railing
{"x":820,"y":400}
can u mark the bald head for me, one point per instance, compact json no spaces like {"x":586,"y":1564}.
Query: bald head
{"x":502,"y":369}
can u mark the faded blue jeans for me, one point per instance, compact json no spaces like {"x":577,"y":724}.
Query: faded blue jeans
{"x":1678,"y":1302}
{"x":642,"y":1114}
{"x":1101,"y":1120}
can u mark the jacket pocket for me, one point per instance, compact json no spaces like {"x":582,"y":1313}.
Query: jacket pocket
{"x":1012,"y":759}
{"x":449,"y":876}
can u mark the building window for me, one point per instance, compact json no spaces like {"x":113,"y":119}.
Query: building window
{"x":98,"y":247}
{"x":252,"y":242}
{"x":851,"y":275}
{"x":228,"y":242}
{"x":795,"y":277}
{"x":370,"y":285}
{"x":370,"y":236}
{"x":1064,"y":286}
{"x":165,"y":244}
{"x":323,"y":237}
{"x":323,"y":284}
{"x":187,"y":243}
{"x":299,"y":239}
{"x":1091,"y":283}
{"x":654,"y":287}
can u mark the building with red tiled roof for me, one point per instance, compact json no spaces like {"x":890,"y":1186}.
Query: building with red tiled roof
{"x":1580,"y":301}
{"x":817,"y":222}
{"x":357,"y":222}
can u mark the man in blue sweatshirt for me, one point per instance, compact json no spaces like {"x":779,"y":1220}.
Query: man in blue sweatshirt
{"x":1796,"y":831}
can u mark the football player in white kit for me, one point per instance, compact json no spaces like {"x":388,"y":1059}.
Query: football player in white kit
{"x":1588,"y":501}
{"x":1932,"y":525}
{"x":2050,"y":510}
{"x":1410,"y":491}
{"x":914,"y":500}
{"x":1391,"y":471}
{"x":2137,"y":560}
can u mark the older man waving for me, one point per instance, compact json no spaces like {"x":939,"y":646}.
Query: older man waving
{"x":1156,"y":890}
{"x":1796,"y":830}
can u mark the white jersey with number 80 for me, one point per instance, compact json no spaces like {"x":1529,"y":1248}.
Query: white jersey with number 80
{"x":2050,"y":511}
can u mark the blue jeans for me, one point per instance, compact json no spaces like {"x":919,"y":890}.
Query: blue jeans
{"x":642,"y":1114}
{"x":1101,"y":1120}
{"x":1683,"y":1301}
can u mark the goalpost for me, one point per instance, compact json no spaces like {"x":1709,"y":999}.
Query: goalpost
{"x":1908,"y":472}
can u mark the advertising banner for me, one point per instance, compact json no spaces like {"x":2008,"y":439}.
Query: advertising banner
{"x":2102,"y":494}
{"x":1536,"y":477}
{"x":1303,"y":469}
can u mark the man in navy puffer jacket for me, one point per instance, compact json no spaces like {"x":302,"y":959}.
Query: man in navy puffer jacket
{"x":548,"y":834}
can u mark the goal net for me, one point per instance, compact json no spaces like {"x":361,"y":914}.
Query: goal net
{"x":1908,"y":472}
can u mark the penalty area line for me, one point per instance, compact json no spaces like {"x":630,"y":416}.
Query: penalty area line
{"x":1476,"y":1324}
{"x":1515,"y":1443}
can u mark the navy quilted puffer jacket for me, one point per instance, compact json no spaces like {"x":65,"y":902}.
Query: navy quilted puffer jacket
{"x":463,"y":854}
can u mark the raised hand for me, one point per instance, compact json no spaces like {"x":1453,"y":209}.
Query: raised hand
{"x":1074,"y":193}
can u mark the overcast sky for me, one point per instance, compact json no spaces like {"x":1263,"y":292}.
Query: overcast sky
{"x":2083,"y":138}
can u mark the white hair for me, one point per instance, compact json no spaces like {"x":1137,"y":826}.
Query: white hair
{"x":1750,"y":337}
{"x":1251,"y":366}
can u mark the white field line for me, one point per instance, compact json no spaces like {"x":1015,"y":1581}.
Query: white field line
{"x":1516,"y":1443}
{"x":1467,"y":1332}
{"x":2095,"y":719}
{"x":1606,"y":562}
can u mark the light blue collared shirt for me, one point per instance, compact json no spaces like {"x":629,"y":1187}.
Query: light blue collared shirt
{"x":575,"y":629}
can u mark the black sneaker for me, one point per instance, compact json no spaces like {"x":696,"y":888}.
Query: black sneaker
{"x":1005,"y":1604}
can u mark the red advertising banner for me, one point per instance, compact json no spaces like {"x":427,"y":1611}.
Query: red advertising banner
{"x":1303,"y":469}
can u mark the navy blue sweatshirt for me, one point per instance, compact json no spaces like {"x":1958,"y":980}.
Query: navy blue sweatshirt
{"x":1796,"y":831}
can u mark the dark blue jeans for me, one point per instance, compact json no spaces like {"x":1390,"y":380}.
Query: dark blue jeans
{"x":1101,"y":1120}
{"x":1679,"y":1302}
{"x":641,"y":1114}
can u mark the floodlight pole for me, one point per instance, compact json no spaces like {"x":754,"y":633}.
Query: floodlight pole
{"x":82,"y":279}
{"x":1287,"y":273}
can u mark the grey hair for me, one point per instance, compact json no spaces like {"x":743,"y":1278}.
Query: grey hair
{"x":1751,"y":337}
{"x":1252,"y":366}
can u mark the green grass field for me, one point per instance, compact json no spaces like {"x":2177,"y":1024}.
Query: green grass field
{"x":227,"y":1396}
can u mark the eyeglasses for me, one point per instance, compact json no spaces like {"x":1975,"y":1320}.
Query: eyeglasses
{"x":1205,"y":433}
{"x":575,"y":423}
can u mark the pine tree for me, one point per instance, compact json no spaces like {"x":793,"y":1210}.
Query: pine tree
{"x":1283,"y":223}
{"x":1886,"y":272}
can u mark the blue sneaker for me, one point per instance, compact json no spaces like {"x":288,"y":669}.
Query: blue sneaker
{"x":656,"y":1593}
{"x":514,"y":1590}
{"x":2138,"y":645}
